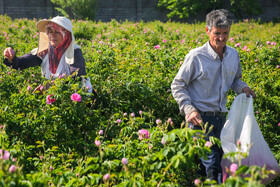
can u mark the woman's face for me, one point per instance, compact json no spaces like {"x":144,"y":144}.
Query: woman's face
{"x":55,"y":36}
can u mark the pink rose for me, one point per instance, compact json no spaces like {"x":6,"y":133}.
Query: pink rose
{"x":101,"y":132}
{"x":208,"y":144}
{"x":50,"y":100}
{"x":76,"y":97}
{"x":162,"y":141}
{"x":238,"y":143}
{"x":143,"y":134}
{"x":6,"y":155}
{"x":12,"y":169}
{"x":97,"y":143}
{"x":124,"y":161}
{"x":158,"y":121}
{"x":157,"y":46}
{"x":237,"y":45}
{"x":233,"y":167}
{"x":106,"y":177}
{"x":244,"y":48}
{"x":197,"y":182}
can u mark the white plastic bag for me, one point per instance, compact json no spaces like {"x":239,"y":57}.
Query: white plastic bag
{"x":241,"y":125}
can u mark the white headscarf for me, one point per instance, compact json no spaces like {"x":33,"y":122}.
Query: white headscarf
{"x":44,"y":40}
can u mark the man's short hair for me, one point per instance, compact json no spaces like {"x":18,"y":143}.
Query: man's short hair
{"x":220,"y":18}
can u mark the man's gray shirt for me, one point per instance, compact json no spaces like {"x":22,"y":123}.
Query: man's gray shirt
{"x":203,"y":80}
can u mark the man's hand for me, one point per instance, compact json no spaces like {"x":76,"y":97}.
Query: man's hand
{"x":249,"y":92}
{"x":194,"y":118}
{"x":9,"y":54}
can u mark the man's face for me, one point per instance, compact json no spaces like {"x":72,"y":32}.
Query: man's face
{"x":218,"y":37}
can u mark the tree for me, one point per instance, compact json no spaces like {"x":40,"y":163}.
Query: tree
{"x":79,"y":9}
{"x":186,"y":8}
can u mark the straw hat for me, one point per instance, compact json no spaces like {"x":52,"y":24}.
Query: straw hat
{"x":44,"y":40}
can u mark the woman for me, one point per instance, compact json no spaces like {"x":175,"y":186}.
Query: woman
{"x":57,"y":53}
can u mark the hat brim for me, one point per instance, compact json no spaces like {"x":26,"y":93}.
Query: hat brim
{"x":41,"y":25}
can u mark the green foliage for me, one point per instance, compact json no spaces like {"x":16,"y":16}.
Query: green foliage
{"x":242,"y":8}
{"x":188,"y":8}
{"x":78,"y":9}
{"x":55,"y":144}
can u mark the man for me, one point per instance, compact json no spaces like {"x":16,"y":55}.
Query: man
{"x":200,"y":87}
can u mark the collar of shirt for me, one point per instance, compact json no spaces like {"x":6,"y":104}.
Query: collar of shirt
{"x":213,"y":53}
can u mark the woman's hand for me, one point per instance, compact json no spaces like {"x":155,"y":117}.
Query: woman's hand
{"x":39,"y":89}
{"x":9,"y":54}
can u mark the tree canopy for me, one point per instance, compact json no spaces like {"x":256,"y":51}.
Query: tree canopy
{"x":186,"y":8}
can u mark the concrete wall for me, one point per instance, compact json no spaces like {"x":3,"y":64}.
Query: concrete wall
{"x":132,"y":10}
{"x":27,"y":8}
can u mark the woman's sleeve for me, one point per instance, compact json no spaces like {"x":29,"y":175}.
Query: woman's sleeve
{"x":79,"y":63}
{"x":23,"y":62}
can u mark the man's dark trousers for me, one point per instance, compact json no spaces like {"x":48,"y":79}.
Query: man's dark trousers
{"x":211,"y":167}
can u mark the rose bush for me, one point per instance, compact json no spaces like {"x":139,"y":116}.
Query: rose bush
{"x":81,"y":138}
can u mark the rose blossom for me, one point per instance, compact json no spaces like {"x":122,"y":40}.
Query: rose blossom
{"x":157,"y":46}
{"x":158,"y":121}
{"x":208,"y":144}
{"x":97,"y":143}
{"x":76,"y":97}
{"x":233,"y":167}
{"x":50,"y":100}
{"x":6,"y":155}
{"x":106,"y":177}
{"x":162,"y":141}
{"x":143,"y":134}
{"x":101,"y":132}
{"x":12,"y":169}
{"x":124,"y":161}
{"x":244,"y":48}
{"x":237,"y":45}
{"x":196,"y":182}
